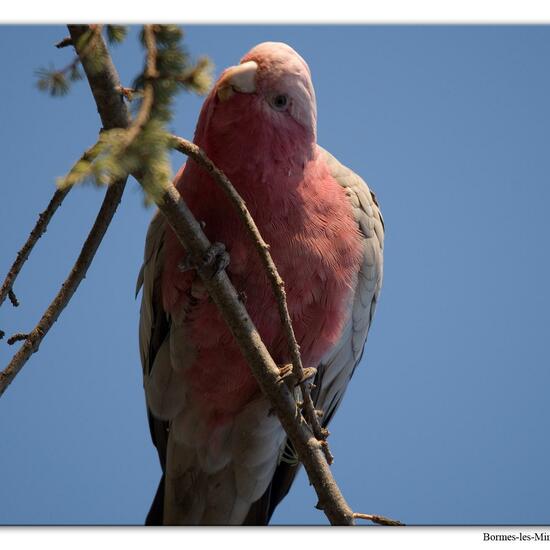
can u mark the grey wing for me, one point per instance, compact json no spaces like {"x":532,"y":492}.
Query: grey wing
{"x":152,"y":321}
{"x":154,"y":329}
{"x":338,"y":365}
{"x":165,"y":349}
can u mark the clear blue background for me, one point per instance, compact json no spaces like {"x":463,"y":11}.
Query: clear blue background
{"x":447,"y":419}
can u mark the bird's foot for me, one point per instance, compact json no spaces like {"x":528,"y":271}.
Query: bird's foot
{"x":285,"y":372}
{"x":310,"y":372}
{"x":287,"y":375}
{"x":215,"y":260}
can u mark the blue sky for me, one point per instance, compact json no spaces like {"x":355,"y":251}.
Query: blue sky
{"x":446,"y":420}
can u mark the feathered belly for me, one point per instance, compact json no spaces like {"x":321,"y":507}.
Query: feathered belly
{"x":317,"y":295}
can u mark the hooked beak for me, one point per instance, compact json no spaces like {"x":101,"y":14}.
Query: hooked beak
{"x":240,"y":78}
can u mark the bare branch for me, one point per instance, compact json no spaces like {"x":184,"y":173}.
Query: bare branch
{"x":38,"y":230}
{"x":68,"y":288}
{"x":113,"y":113}
{"x":200,"y":157}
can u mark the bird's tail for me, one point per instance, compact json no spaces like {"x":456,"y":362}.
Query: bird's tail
{"x":213,"y":479}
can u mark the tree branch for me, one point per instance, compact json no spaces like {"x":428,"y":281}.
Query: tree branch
{"x":39,"y":229}
{"x":144,"y":112}
{"x":83,"y":50}
{"x":113,"y":113}
{"x":23,"y":254}
{"x":103,"y":80}
{"x":68,"y":288}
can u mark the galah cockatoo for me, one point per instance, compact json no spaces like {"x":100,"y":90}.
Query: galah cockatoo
{"x":224,"y":455}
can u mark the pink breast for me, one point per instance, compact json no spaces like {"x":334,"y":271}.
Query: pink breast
{"x":315,"y":244}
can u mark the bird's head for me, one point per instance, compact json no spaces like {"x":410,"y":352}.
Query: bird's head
{"x":267,"y":102}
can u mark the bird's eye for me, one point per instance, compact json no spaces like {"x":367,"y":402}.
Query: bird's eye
{"x":280,"y":102}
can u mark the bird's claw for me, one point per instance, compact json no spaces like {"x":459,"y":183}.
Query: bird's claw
{"x":287,"y":375}
{"x":215,"y":260}
{"x":285,"y":371}
{"x":309,"y":372}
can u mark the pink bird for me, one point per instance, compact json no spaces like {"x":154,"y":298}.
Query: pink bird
{"x":225,"y":459}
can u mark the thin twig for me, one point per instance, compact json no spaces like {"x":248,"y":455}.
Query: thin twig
{"x":17,"y":337}
{"x":13,"y":298}
{"x":200,"y":157}
{"x":38,"y":230}
{"x":67,"y":41}
{"x":380,"y":520}
{"x":144,"y":112}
